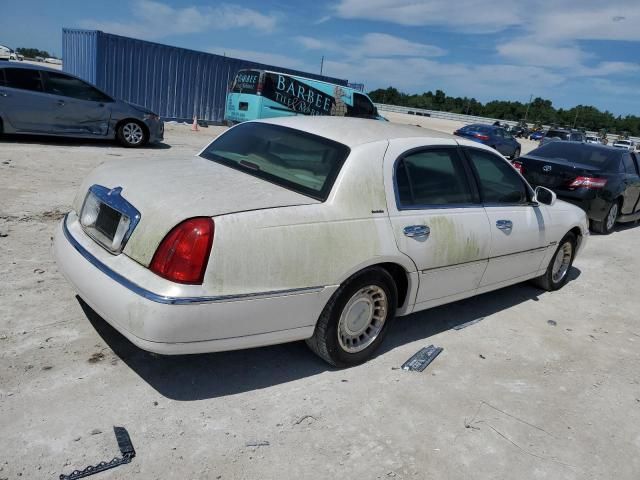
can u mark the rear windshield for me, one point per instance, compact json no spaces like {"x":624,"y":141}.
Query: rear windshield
{"x":296,"y":160}
{"x":246,"y":81}
{"x":585,"y":154}
{"x":477,"y":128}
{"x":557,"y":134}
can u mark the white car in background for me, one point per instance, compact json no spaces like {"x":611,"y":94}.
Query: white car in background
{"x":627,"y":144}
{"x":593,"y":139}
{"x":314,"y":228}
{"x":54,"y":61}
{"x":5,"y":53}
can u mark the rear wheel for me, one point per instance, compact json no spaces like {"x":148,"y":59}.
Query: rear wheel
{"x":356,"y":319}
{"x":606,"y":226}
{"x":557,"y":274}
{"x":132,"y":134}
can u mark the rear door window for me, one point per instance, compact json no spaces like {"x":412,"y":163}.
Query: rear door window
{"x":23,"y":79}
{"x":66,"y":86}
{"x":432,"y":177}
{"x":636,"y":161}
{"x":629,"y":164}
{"x":499,"y":182}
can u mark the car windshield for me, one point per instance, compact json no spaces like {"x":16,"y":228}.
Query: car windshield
{"x":557,"y":134}
{"x":623,"y":142}
{"x":293,"y":159}
{"x":585,"y":154}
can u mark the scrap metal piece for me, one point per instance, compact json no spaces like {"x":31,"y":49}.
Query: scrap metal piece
{"x":422,"y":358}
{"x":126,"y":449}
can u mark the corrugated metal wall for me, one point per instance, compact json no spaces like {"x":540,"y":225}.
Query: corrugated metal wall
{"x":174,"y":82}
{"x":80,"y":49}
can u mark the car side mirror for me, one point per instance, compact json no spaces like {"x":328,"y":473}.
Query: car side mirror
{"x":545,"y":196}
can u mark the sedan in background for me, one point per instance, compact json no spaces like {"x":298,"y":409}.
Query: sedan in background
{"x":536,"y":135}
{"x":5,"y":53}
{"x":41,"y":101}
{"x":493,"y":136}
{"x":307,"y":228}
{"x":604,"y":181}
{"x":593,"y":139}
{"x":563,"y":134}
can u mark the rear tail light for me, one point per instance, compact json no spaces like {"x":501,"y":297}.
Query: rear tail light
{"x":479,"y":136}
{"x":518,"y":166}
{"x":183,"y":254}
{"x":591,"y":183}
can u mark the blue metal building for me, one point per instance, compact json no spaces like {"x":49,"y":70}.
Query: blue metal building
{"x":177,"y":83}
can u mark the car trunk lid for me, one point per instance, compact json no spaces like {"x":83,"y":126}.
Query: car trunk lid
{"x":554,"y":173}
{"x":170,"y":190}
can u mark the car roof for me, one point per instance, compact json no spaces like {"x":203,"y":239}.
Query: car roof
{"x":29,"y":66}
{"x":592,"y":146}
{"x":356,"y":131}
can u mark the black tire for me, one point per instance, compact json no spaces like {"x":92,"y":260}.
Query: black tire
{"x":605,"y":227}
{"x":132,"y":134}
{"x":547,"y":281}
{"x":325,"y":342}
{"x":516,"y":154}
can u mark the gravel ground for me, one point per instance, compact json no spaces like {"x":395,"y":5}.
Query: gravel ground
{"x":546,"y":386}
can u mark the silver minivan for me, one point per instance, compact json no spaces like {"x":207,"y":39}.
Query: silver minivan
{"x":42,"y":101}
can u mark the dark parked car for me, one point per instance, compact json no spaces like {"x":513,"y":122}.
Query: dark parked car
{"x":493,"y":136}
{"x":604,"y":181}
{"x":536,"y":135}
{"x":554,"y":134}
{"x":42,"y":101}
{"x":519,"y":132}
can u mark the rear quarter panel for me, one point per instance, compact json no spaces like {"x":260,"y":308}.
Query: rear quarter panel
{"x":310,"y":245}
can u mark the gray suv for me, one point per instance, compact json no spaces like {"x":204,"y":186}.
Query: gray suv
{"x":42,"y":101}
{"x":555,"y":134}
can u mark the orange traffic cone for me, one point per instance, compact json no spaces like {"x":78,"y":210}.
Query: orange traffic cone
{"x":194,"y":125}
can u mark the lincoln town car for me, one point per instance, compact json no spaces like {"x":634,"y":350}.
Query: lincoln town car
{"x":321,"y":229}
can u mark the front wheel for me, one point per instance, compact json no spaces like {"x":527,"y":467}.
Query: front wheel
{"x":605,"y":226}
{"x":356,"y":319}
{"x":132,"y":134}
{"x":557,"y":274}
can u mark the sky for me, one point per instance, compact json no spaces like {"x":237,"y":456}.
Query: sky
{"x":585,"y":52}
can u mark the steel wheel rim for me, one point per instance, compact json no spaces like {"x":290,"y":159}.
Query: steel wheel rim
{"x":132,"y":133}
{"x":611,"y":217}
{"x":561,"y":262}
{"x":362,"y":319}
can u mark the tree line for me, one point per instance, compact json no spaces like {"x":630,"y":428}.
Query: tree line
{"x":539,"y":110}
{"x":34,"y":52}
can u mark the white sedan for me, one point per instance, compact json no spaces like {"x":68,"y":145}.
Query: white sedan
{"x":315,"y":228}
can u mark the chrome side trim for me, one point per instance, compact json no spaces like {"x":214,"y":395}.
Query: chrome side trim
{"x":538,"y":249}
{"x":154,"y":297}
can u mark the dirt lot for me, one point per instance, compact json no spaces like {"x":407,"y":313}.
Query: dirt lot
{"x":546,"y":386}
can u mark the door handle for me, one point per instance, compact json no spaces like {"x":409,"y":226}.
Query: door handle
{"x":416,"y":231}
{"x":504,"y":224}
{"x":4,"y":94}
{"x":60,"y":103}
